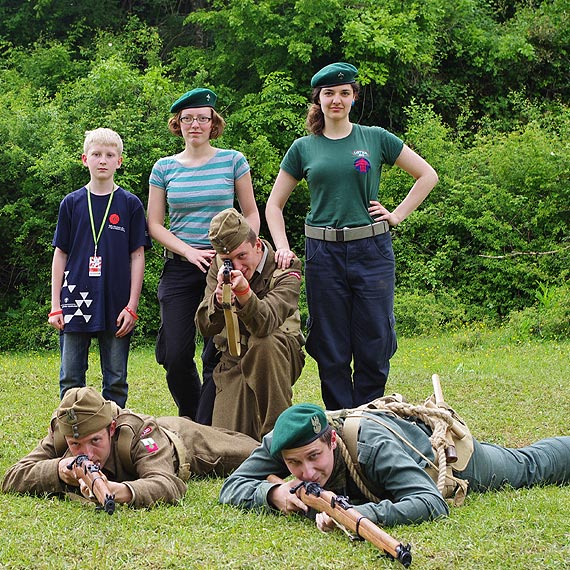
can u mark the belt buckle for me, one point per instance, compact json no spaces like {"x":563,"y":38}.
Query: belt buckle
{"x":339,"y":234}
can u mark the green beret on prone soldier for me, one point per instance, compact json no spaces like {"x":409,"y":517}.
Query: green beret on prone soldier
{"x":398,"y":463}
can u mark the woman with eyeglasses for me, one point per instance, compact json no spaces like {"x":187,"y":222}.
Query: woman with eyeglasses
{"x":194,"y":185}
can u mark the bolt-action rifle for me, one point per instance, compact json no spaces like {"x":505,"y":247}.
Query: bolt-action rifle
{"x":95,"y":480}
{"x":230,"y":317}
{"x":345,"y":515}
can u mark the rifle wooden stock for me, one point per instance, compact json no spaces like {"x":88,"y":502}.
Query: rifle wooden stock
{"x":95,"y":480}
{"x":230,"y":317}
{"x":339,"y":509}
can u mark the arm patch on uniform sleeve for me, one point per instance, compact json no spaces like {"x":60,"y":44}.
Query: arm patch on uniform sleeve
{"x":295,"y":274}
{"x":150,"y":444}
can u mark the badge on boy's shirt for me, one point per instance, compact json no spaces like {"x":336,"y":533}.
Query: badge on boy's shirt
{"x":95,"y":266}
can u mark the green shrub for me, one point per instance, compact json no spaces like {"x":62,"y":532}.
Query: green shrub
{"x":418,"y":313}
{"x":548,"y":319}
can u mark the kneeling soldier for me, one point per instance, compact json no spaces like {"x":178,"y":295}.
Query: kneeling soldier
{"x":254,"y":378}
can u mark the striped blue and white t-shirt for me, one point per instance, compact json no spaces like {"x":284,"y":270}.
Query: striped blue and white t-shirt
{"x":196,"y":194}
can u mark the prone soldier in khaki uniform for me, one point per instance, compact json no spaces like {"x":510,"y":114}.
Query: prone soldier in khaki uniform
{"x":254,"y":385}
{"x":144,"y":459}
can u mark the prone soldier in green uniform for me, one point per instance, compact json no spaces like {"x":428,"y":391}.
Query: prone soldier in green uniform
{"x":144,"y":459}
{"x":388,"y":475}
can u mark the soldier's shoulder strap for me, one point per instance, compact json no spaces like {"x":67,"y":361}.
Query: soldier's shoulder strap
{"x":129,"y":426}
{"x":279,"y":272}
{"x":124,"y":443}
{"x":347,"y":423}
{"x":348,"y":444}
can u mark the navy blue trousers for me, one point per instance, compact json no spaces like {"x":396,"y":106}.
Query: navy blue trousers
{"x":180,"y":291}
{"x":350,"y":295}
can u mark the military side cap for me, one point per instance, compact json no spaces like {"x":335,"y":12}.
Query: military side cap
{"x":198,"y":97}
{"x":298,"y":425}
{"x":228,"y":230}
{"x":334,"y":74}
{"x":83,"y":411}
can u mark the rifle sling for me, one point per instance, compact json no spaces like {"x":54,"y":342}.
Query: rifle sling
{"x":231,"y":320}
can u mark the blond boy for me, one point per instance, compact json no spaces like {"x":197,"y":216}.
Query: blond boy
{"x":97,"y":270}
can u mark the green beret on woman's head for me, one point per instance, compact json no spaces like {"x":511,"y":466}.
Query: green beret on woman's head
{"x":199,"y":97}
{"x":334,"y":74}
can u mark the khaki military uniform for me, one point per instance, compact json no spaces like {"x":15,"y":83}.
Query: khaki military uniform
{"x":254,"y":388}
{"x":152,"y":456}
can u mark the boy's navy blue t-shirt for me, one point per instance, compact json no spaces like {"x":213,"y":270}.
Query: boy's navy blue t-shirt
{"x":92,"y":304}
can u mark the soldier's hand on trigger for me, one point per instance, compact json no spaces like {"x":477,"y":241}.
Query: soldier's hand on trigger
{"x":65,"y":474}
{"x":237,"y":282}
{"x":281,"y":498}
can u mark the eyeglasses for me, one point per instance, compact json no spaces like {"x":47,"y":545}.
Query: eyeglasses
{"x":189,"y":119}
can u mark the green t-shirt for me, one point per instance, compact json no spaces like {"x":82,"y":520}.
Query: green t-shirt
{"x":343,"y":175}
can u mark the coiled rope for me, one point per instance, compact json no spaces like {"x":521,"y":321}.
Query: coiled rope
{"x":438,"y":419}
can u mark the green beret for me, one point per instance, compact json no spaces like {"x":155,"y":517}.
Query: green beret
{"x":83,"y":411}
{"x":228,"y":230}
{"x":297,"y":426}
{"x":198,"y":97}
{"x":334,"y":74}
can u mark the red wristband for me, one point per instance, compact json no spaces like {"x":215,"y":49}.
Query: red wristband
{"x":54,"y":313}
{"x":131,"y":312}
{"x":244,"y":292}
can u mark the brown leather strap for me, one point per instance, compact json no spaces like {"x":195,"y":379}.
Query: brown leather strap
{"x":232,"y":323}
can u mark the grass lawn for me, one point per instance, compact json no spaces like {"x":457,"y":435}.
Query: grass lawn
{"x":509,"y":394}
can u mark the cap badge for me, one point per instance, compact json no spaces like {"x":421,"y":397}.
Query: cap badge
{"x":340,"y":75}
{"x":316,"y":422}
{"x":71,"y":415}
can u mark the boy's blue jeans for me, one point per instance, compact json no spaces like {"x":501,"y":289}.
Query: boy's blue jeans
{"x":113,"y":353}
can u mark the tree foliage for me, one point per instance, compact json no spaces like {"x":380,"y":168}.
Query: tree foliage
{"x":480,"y":90}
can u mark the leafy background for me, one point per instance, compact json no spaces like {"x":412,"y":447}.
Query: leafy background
{"x":480,"y":90}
